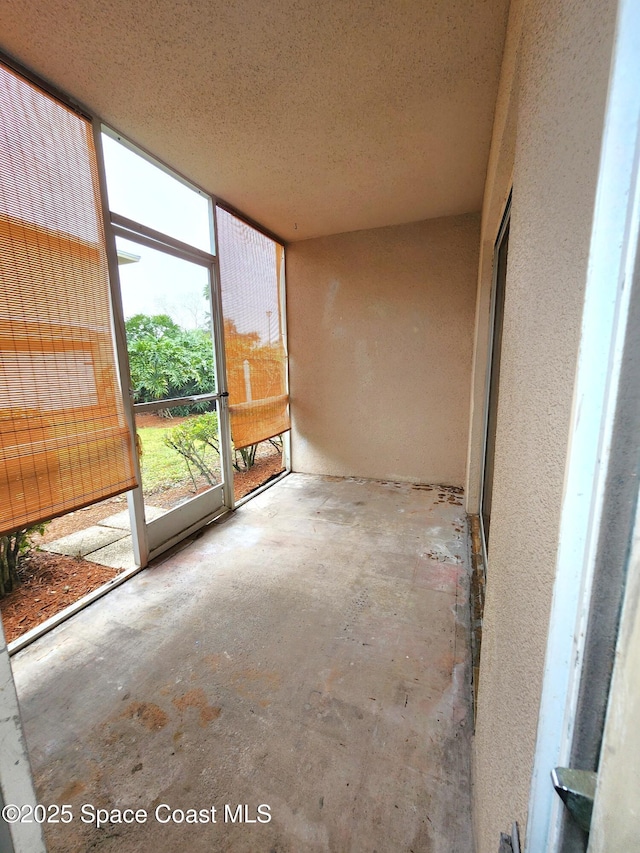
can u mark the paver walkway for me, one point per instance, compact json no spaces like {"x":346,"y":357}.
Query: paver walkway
{"x":107,"y":543}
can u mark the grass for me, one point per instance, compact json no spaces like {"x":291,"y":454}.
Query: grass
{"x":161,"y":466}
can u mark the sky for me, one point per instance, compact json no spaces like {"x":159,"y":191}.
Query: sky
{"x":162,"y":284}
{"x":158,"y":283}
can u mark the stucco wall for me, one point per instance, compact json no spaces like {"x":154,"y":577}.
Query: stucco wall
{"x":497,"y":190}
{"x":380,"y":327}
{"x":547,"y":135}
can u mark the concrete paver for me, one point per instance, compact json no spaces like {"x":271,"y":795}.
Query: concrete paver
{"x":117,"y":554}
{"x":107,"y":543}
{"x":85,"y":541}
{"x":121,"y":519}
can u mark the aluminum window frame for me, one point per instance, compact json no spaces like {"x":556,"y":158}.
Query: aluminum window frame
{"x":505,"y":223}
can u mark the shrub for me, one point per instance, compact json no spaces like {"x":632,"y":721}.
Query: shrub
{"x":12,"y":547}
{"x":195,"y":440}
{"x":247,"y":457}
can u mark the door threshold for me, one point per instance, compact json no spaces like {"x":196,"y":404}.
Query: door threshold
{"x":478,"y":583}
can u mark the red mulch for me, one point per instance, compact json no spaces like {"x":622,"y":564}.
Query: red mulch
{"x":262,"y":471}
{"x":49,"y":583}
{"x":150,"y":419}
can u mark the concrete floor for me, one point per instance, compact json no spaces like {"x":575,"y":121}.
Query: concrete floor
{"x":310,"y":653}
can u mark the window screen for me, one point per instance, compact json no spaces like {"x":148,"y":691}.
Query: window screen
{"x":251,"y":280}
{"x":64,"y":442}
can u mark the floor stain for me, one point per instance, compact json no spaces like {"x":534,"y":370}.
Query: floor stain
{"x":197,"y":699}
{"x":151,"y":716}
{"x":333,"y":674}
{"x":213,"y":661}
{"x":72,"y":790}
{"x":253,"y":682}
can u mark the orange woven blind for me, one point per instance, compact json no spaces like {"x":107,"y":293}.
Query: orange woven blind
{"x":64,"y":442}
{"x":251,"y":276}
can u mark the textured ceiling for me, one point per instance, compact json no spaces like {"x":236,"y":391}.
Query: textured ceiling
{"x":311,"y":116}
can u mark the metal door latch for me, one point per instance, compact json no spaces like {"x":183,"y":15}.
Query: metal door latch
{"x":576,"y":789}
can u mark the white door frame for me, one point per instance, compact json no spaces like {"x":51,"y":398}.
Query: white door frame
{"x":614,"y":240}
{"x":178,"y":523}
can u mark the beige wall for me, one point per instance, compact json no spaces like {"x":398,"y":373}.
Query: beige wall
{"x":380,"y":339}
{"x":547,"y":135}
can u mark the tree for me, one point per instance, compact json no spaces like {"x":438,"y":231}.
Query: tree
{"x":146,"y":326}
{"x":168,"y":361}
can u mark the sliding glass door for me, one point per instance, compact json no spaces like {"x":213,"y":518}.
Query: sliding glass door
{"x":493,"y":385}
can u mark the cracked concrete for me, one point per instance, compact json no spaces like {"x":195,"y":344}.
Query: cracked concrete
{"x":310,"y":653}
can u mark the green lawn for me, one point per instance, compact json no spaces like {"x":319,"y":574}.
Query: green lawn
{"x":161,"y":466}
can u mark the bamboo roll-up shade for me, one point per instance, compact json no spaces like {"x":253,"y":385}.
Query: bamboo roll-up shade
{"x":64,"y":441}
{"x":251,"y":281}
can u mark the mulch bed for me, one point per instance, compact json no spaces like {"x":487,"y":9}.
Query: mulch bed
{"x":51,"y":582}
{"x":263,"y":470}
{"x":48,"y":584}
